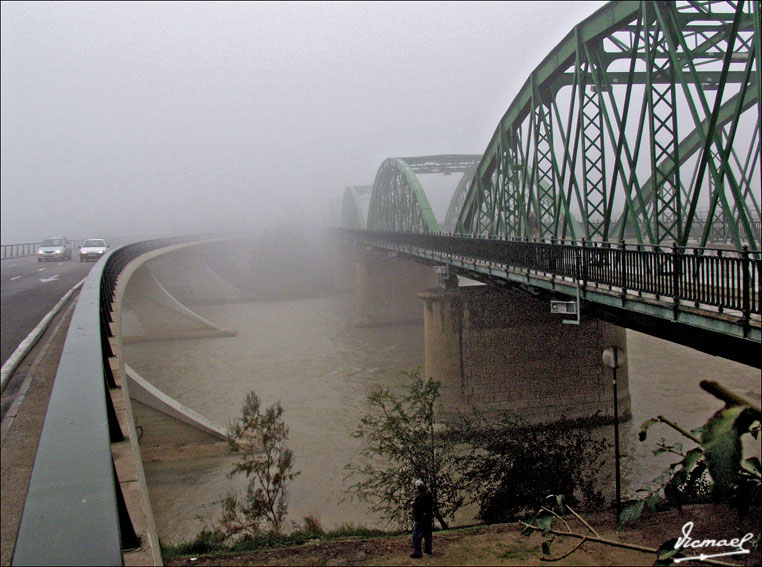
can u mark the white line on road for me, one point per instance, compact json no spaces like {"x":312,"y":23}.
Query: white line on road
{"x":10,"y":415}
{"x":27,"y":344}
{"x":15,"y":278}
{"x":52,"y":278}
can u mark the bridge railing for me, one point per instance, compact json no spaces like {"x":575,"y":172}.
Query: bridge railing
{"x":18,"y":250}
{"x":30,"y":248}
{"x":74,"y":512}
{"x":724,"y":279}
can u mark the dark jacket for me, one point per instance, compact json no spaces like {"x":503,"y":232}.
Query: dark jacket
{"x":423,"y":507}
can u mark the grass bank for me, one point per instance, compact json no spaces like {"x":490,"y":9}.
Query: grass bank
{"x":499,"y":544}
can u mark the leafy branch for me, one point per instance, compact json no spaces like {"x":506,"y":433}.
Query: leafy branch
{"x":717,"y":457}
{"x":719,"y":453}
{"x":543,"y":522}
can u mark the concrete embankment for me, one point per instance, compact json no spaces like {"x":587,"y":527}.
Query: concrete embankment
{"x":27,"y":394}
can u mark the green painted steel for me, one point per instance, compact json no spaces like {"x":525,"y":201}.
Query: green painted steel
{"x":398,"y":201}
{"x":354,"y":206}
{"x":458,"y":198}
{"x":706,"y":299}
{"x":642,"y":124}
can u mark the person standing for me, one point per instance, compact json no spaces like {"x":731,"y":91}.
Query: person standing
{"x":423,"y":516}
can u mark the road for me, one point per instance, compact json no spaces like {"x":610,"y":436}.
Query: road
{"x":28,"y":291}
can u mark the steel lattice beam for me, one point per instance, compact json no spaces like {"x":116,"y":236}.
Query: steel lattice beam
{"x":354,"y":206}
{"x":398,"y":201}
{"x":642,"y":124}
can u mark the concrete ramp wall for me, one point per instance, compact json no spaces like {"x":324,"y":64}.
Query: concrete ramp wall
{"x":193,"y":280}
{"x":146,"y":393}
{"x":150,"y":312}
{"x":146,"y":310}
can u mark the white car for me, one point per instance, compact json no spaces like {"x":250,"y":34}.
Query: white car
{"x":92,"y":249}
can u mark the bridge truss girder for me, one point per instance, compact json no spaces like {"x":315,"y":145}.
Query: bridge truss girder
{"x":398,"y":201}
{"x":642,"y":124}
{"x":354,"y":206}
{"x":458,"y":198}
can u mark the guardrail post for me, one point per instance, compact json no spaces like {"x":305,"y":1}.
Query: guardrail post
{"x":623,"y":270}
{"x":719,"y":295}
{"x":746,"y":302}
{"x":129,"y":539}
{"x":584,"y":261}
{"x":676,"y":271}
{"x":114,"y":429}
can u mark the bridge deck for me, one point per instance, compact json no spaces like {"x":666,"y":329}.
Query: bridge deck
{"x":707,"y":301}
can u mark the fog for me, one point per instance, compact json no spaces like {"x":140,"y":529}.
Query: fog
{"x":124,"y":119}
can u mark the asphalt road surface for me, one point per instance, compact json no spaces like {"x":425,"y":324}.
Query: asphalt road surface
{"x":28,"y":291}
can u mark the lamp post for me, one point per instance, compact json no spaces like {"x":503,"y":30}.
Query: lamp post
{"x":613,"y":357}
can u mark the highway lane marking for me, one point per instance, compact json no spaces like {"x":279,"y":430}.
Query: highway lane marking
{"x":20,"y":395}
{"x":15,"y":278}
{"x":50,"y":279}
{"x":40,"y":269}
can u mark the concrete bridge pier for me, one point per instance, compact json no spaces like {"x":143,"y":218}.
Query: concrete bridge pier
{"x":502,"y":350}
{"x":386,"y":287}
{"x":344,"y":260}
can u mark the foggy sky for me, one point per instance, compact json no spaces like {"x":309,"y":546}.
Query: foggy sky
{"x":151,"y":118}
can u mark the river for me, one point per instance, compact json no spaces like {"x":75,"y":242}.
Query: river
{"x":307,"y":354}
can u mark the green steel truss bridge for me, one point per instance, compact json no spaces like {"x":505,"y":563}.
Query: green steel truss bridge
{"x":633,"y":149}
{"x":397,"y":199}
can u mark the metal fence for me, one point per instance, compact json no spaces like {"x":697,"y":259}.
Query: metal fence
{"x":725,"y":279}
{"x":74,"y":512}
{"x":8,"y":251}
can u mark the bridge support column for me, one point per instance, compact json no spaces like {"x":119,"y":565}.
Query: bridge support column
{"x":502,"y":350}
{"x":386,"y":288}
{"x":344,"y":269}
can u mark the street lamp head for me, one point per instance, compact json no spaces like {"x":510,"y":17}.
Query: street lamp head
{"x":613,"y":357}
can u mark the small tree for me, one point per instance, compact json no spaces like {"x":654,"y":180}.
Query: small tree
{"x":260,"y":436}
{"x":403,"y":443}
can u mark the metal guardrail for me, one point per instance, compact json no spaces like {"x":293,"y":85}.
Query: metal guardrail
{"x":30,"y":248}
{"x":18,"y":250}
{"x":74,"y":512}
{"x":725,"y":279}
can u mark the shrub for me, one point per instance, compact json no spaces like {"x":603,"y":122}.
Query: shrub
{"x":512,"y":467}
{"x":207,"y":541}
{"x":311,"y":526}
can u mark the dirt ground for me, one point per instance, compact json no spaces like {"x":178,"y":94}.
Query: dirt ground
{"x":504,"y":545}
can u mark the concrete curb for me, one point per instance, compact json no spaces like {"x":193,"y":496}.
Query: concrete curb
{"x":31,"y":339}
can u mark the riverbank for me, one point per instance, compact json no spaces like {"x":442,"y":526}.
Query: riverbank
{"x":503,"y":544}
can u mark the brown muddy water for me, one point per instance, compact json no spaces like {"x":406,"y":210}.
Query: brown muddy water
{"x":308,"y":355}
